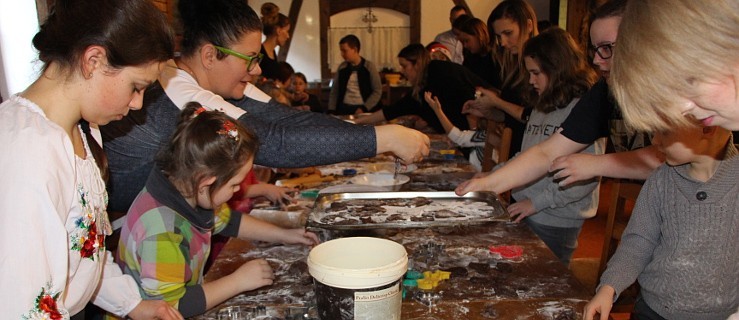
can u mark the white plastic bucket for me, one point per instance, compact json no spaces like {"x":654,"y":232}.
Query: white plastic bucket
{"x":358,"y":278}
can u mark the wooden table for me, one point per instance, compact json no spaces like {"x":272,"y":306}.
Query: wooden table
{"x":483,"y":285}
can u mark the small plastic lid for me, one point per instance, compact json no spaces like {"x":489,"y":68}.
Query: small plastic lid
{"x":313,"y":193}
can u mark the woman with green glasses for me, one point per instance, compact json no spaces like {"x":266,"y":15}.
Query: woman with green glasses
{"x":252,"y":61}
{"x":219,"y":57}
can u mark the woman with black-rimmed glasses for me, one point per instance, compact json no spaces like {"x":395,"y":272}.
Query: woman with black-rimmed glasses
{"x":594,"y":117}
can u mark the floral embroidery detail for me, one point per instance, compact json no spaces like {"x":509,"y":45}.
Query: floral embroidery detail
{"x":46,"y":306}
{"x":228,"y":129}
{"x":85,"y":238}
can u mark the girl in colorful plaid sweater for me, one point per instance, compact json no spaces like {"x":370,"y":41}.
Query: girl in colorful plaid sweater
{"x":167,"y":235}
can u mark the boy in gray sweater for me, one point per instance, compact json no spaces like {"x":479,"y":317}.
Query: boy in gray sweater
{"x":680,"y":243}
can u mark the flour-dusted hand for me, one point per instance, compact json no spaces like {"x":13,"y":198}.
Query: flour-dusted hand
{"x":407,"y":144}
{"x":477,"y":184}
{"x":154,"y":309}
{"x":254,"y":274}
{"x":299,"y":236}
{"x":601,"y":303}
{"x":275,"y":194}
{"x":484,"y":105}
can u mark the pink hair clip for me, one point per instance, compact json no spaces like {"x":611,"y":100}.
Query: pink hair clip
{"x":197,"y":112}
{"x":229,"y":130}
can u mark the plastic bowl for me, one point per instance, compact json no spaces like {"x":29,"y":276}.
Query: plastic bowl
{"x":392,"y":78}
{"x":389,"y":167}
{"x":382,"y":179}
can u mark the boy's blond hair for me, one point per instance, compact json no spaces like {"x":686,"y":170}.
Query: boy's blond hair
{"x":664,"y":48}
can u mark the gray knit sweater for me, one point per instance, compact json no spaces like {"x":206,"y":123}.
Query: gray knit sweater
{"x":682,"y":244}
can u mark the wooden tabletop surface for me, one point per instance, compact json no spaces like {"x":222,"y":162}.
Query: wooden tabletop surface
{"x":483,"y":285}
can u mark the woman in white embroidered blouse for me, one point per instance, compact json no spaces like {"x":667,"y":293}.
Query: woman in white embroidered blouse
{"x":53,"y":218}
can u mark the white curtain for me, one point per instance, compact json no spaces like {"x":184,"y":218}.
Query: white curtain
{"x":381,"y":46}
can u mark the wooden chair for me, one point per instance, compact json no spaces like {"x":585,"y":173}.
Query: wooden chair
{"x":622,"y":198}
{"x":499,"y":139}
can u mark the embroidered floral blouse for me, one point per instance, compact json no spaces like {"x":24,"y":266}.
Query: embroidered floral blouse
{"x":52,"y":223}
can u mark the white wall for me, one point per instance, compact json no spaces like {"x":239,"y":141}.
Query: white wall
{"x":305,"y":47}
{"x":306,"y":44}
{"x":435,"y":15}
{"x":18,"y":58}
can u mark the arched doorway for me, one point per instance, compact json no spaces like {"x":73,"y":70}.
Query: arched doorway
{"x":412,"y":8}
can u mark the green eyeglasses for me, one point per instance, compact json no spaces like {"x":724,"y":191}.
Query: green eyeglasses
{"x":251,"y":61}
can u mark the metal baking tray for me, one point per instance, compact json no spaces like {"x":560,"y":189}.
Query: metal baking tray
{"x":445,"y":209}
{"x":437,"y":182}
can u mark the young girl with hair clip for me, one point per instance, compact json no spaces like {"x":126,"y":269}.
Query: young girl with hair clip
{"x":99,"y":57}
{"x":166,"y":238}
{"x":513,"y":22}
{"x":558,"y":75}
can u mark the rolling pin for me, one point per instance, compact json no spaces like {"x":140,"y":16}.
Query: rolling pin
{"x":308,"y":181}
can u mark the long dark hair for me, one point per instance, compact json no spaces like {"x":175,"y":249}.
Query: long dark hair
{"x":562,"y":60}
{"x":417,"y":54}
{"x":511,"y":66}
{"x":221,"y":22}
{"x":205,"y":144}
{"x":272,"y":18}
{"x":132,"y":32}
{"x":476,"y":28}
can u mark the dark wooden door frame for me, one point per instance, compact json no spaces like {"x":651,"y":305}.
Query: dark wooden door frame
{"x":327,"y":8}
{"x":554,"y":12}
